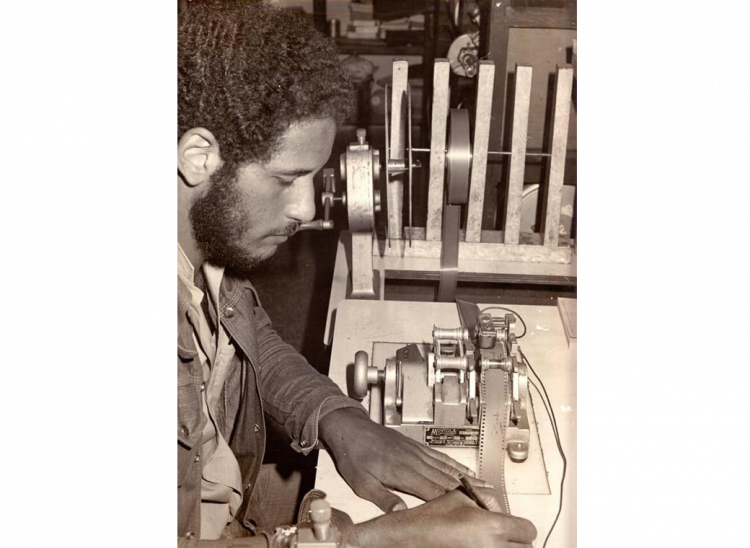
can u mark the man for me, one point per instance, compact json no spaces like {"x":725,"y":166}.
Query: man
{"x":260,"y":93}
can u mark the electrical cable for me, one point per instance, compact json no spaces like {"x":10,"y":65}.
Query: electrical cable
{"x":525,"y":359}
{"x":565,"y":466}
{"x":551,"y":413}
{"x":508,"y":310}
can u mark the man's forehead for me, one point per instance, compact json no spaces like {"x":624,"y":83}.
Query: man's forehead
{"x":303,"y":147}
{"x":288,"y":163}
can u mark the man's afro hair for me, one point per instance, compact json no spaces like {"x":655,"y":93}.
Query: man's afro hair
{"x":247,"y":71}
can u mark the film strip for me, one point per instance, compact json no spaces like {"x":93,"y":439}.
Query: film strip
{"x":495,"y":413}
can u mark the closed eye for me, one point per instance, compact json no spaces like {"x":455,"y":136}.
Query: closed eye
{"x":285,"y":182}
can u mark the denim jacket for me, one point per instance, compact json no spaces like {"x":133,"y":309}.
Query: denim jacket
{"x":267,"y":376}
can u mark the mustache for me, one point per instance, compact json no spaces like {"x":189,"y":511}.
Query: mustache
{"x":289,"y":230}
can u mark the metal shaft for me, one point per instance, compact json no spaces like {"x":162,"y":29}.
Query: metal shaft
{"x":490,"y":152}
{"x":411,"y":163}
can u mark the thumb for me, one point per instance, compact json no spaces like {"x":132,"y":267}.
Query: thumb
{"x":384,"y":499}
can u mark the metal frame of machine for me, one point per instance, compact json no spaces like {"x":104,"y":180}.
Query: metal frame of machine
{"x":469,"y":391}
{"x":458,"y":167}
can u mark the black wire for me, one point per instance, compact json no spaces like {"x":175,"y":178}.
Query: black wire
{"x":525,"y":359}
{"x":553,"y":419}
{"x":508,"y":310}
{"x":555,"y":432}
{"x":565,"y":467}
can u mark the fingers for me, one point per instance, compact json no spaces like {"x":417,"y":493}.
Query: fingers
{"x":500,"y":543}
{"x":445,"y":459}
{"x":381,"y":497}
{"x":476,"y":482}
{"x":512,"y":528}
{"x":426,"y":482}
{"x":425,"y":477}
{"x":449,"y":477}
{"x":438,"y":482}
{"x":517,"y":529}
{"x":451,"y":474}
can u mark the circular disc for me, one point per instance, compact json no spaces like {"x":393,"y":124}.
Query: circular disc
{"x":359,"y":196}
{"x":458,"y":158}
{"x":360,"y":374}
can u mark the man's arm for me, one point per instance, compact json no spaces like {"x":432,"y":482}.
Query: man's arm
{"x":293,"y":392}
{"x":374,"y":459}
{"x":371,"y":458}
{"x":450,"y":521}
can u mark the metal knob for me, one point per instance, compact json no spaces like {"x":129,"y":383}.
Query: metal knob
{"x":320,"y":513}
{"x":320,"y":224}
{"x":328,"y":199}
{"x":518,"y":451}
{"x":363,"y":374}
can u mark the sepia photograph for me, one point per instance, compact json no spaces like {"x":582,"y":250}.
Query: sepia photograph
{"x":377,"y":273}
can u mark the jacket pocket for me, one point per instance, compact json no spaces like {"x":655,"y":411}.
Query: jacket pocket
{"x":184,"y":465}
{"x":189,"y":410}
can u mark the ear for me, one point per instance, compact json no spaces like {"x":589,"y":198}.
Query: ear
{"x":198,"y":156}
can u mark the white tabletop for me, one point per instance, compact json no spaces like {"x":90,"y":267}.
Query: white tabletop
{"x":361,"y":323}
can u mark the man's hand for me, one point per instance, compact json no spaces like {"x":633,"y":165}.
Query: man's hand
{"x":450,"y":521}
{"x":372,"y":458}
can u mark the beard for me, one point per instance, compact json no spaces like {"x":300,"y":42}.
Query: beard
{"x":221,"y":221}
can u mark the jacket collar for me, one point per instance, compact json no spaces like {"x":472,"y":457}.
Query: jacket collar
{"x":239,"y":295}
{"x":236,"y":293}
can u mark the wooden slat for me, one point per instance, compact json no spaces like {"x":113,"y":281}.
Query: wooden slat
{"x":480,"y":143}
{"x":398,"y":127}
{"x":420,"y":268}
{"x":556,"y":172}
{"x":479,"y":251}
{"x":482,"y":277}
{"x":518,"y":154}
{"x":440,"y":103}
{"x":490,"y":236}
{"x":495,"y":48}
{"x":542,"y":17}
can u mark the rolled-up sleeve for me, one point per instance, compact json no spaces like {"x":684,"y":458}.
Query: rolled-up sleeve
{"x":293,"y":392}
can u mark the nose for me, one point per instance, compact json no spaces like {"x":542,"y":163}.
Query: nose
{"x":301,"y":200}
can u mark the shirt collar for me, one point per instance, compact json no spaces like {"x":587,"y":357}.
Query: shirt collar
{"x":186,"y":272}
{"x":185,"y":268}
{"x":212,"y":274}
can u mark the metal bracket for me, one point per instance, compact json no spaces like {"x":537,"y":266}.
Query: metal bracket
{"x":361,"y":165}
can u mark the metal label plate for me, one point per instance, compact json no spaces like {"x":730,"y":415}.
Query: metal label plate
{"x":451,"y":437}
